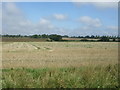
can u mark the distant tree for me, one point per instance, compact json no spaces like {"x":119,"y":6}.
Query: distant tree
{"x":26,"y":36}
{"x":44,"y":36}
{"x":92,"y":36}
{"x":55,"y":37}
{"x":104,"y":38}
{"x":80,"y":36}
{"x":97,"y":37}
{"x":73,"y":37}
{"x":40,"y":36}
{"x":65,"y":36}
{"x":114,"y":39}
{"x":87,"y":36}
{"x":34,"y":36}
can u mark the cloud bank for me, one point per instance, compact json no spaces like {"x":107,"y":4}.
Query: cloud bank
{"x":60,"y":16}
{"x":90,"y":21}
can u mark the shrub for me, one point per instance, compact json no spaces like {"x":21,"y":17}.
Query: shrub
{"x":104,"y":38}
{"x":55,"y":37}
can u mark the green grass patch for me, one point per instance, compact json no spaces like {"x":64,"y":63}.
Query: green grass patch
{"x":82,"y":77}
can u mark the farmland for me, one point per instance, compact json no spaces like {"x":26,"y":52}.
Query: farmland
{"x":60,"y":64}
{"x":22,"y":39}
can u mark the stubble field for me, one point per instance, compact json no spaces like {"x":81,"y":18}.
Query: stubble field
{"x":60,"y":64}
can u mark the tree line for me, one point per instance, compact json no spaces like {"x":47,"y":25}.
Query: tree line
{"x":55,"y":37}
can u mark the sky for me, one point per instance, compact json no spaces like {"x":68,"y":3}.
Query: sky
{"x":64,"y":18}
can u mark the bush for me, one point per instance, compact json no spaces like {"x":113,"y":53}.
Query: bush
{"x":104,"y":38}
{"x":55,"y":37}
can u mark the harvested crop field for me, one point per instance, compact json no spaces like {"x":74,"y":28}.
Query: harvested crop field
{"x":58,"y":54}
{"x":60,"y":64}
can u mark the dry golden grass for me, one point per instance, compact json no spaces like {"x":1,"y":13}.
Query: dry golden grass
{"x":58,"y":54}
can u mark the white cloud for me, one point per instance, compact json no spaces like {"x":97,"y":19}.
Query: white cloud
{"x":95,"y":0}
{"x":104,"y":5}
{"x":12,"y":19}
{"x":112,"y":27}
{"x":14,"y":22}
{"x":60,"y":16}
{"x":90,"y":21}
{"x":99,"y":5}
{"x":44,"y":21}
{"x":11,"y":8}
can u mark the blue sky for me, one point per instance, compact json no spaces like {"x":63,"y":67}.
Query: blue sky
{"x":65,"y":18}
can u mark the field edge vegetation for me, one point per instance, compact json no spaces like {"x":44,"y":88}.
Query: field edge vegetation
{"x":72,"y":77}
